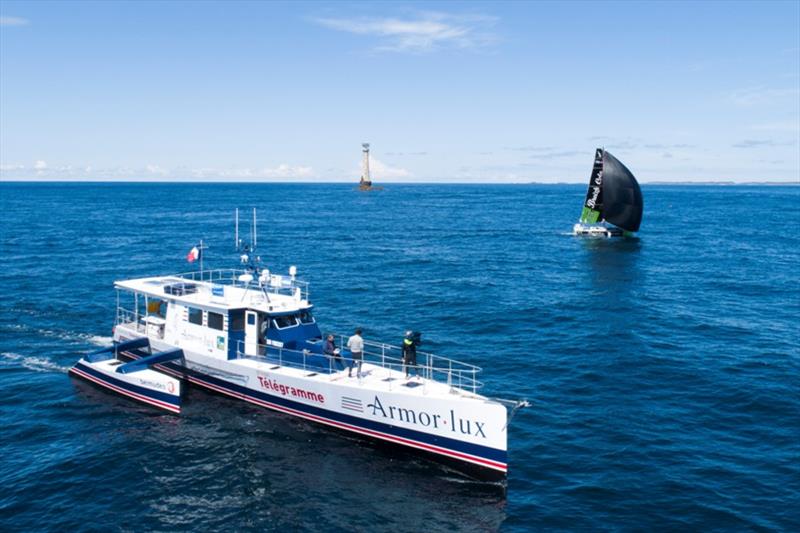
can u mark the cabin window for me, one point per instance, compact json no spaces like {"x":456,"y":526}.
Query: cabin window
{"x":306,"y":317}
{"x":196,"y":316}
{"x":156,"y":308}
{"x":285,"y":321}
{"x":215,"y":320}
{"x":251,"y":320}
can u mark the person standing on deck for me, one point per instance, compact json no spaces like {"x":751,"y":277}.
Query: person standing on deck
{"x":410,"y":353}
{"x":356,"y":346}
{"x":332,"y":351}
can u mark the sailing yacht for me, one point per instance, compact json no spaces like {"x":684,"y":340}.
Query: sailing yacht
{"x":613,"y":205}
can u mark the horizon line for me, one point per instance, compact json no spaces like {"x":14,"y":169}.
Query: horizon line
{"x":355,"y":184}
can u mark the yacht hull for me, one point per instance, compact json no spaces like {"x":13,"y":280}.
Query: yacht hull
{"x":592,"y":230}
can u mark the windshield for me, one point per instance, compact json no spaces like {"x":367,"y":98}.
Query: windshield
{"x":306,"y":317}
{"x":285,"y":321}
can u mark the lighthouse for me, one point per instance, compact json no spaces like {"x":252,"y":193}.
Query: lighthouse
{"x":366,"y":180}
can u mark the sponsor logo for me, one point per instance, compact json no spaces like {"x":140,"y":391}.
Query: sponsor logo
{"x":598,"y":181}
{"x":450,"y":420}
{"x":152,"y":384}
{"x":285,"y":390}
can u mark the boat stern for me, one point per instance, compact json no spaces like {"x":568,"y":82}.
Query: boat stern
{"x":143,"y":385}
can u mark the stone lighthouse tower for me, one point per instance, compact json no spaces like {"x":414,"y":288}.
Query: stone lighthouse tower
{"x":366,"y":180}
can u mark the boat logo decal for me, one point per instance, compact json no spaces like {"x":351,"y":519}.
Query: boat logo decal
{"x":422,"y":418}
{"x":592,"y":202}
{"x":285,"y":390}
{"x":151,"y":384}
{"x":352,"y":404}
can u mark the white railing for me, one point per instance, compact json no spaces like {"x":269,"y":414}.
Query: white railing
{"x":454,"y":373}
{"x":130,"y":319}
{"x":272,"y":284}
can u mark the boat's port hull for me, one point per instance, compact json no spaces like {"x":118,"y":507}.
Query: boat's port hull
{"x":156,"y":390}
{"x":475,"y":461}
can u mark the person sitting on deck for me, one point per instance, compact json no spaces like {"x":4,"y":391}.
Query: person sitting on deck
{"x":410,"y":354}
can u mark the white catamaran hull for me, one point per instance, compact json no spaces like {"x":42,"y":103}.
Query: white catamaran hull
{"x":145,"y":386}
{"x":456,"y":427}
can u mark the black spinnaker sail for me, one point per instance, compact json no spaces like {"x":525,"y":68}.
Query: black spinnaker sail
{"x":614,"y":195}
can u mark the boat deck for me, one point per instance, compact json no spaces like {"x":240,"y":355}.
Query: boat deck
{"x":374,"y":377}
{"x":225,"y":289}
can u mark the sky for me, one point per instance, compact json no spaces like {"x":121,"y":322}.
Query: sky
{"x":483,"y":92}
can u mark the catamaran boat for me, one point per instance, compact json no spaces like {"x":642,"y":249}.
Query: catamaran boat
{"x":613,"y":205}
{"x":250,"y":334}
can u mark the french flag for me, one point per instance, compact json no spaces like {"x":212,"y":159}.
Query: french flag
{"x":193,"y":255}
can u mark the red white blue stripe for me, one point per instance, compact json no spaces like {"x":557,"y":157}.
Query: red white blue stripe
{"x":161,"y":400}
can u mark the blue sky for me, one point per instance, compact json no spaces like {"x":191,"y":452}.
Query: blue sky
{"x":464,"y":92}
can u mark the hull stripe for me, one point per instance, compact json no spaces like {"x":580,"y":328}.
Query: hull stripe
{"x":357,"y":429}
{"x":126,"y":392}
{"x":229,"y":391}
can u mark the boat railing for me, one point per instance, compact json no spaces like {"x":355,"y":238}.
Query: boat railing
{"x":456,"y":374}
{"x":130,"y":319}
{"x":248,"y":279}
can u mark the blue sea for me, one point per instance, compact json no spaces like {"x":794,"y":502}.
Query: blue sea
{"x":663,"y":371}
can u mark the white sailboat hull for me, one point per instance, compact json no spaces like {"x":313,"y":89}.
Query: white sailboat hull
{"x":596,"y":230}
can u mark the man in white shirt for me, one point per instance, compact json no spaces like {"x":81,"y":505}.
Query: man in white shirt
{"x":356,"y":346}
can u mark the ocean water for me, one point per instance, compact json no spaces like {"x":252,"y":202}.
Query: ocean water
{"x":663,"y":372}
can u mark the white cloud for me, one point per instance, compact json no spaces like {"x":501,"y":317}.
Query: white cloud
{"x":287,"y":171}
{"x":424,"y":33}
{"x":760,"y":95}
{"x":13,"y":21}
{"x":757,"y":143}
{"x":283,"y":171}
{"x":381,"y":171}
{"x":153,"y":172}
{"x":157,"y":170}
{"x":787,"y":125}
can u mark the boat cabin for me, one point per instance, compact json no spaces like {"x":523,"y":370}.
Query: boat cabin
{"x":223,"y":314}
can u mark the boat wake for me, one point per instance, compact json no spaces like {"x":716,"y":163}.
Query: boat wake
{"x":99,"y":340}
{"x":71,"y":336}
{"x":36,"y":364}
